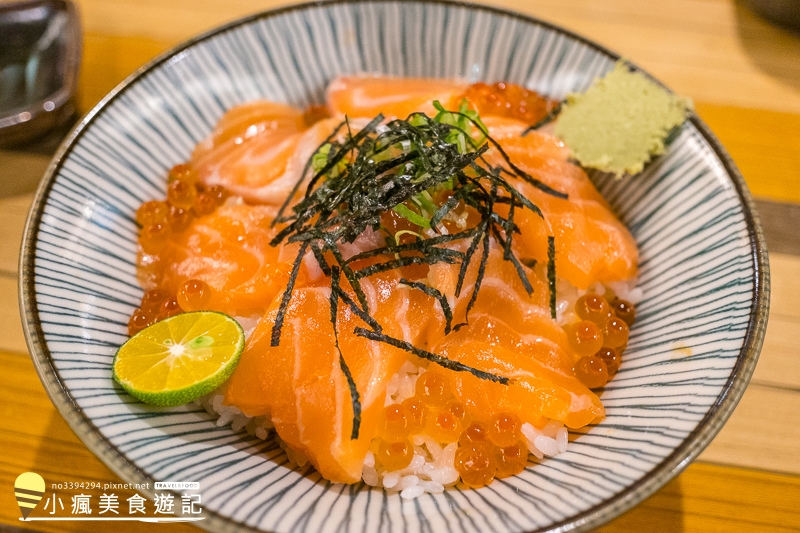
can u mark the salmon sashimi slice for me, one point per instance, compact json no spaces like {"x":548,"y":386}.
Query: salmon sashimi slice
{"x":538,"y":389}
{"x":504,"y":313}
{"x":265,"y":165}
{"x":366,"y":96}
{"x":592,"y":245}
{"x":249,"y":148}
{"x":258,"y":150}
{"x":229,"y":249}
{"x":300,"y":383}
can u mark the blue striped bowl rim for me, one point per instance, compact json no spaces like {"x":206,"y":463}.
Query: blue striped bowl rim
{"x":672,"y":464}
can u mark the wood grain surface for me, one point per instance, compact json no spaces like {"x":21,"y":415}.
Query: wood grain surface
{"x":743,"y":75}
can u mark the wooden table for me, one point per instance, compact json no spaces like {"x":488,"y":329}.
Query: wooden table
{"x":744,"y":77}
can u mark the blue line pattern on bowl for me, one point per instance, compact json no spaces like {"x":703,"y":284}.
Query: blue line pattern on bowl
{"x":697,"y":271}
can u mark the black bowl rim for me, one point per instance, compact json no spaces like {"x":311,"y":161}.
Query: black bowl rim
{"x":668,"y":468}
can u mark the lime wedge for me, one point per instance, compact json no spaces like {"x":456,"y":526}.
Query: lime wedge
{"x":179,"y":359}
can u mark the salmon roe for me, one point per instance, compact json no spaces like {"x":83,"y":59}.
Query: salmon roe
{"x":139,"y":320}
{"x":433,"y":389}
{"x":152,"y":212}
{"x":194,"y":295}
{"x":476,"y":464}
{"x":394,"y":455}
{"x":182,"y":172}
{"x":504,"y":429}
{"x":153,"y":238}
{"x":152,"y":300}
{"x":594,"y":308}
{"x":179,"y":219}
{"x":444,"y":427}
{"x":476,"y":433}
{"x":459,"y":411}
{"x":182,"y":193}
{"x":218,"y":193}
{"x":612,"y":358}
{"x":624,"y":310}
{"x":395,"y":422}
{"x":592,"y":371}
{"x":511,"y":460}
{"x":416,"y":414}
{"x":509,"y":100}
{"x":615,"y":333}
{"x":204,"y":204}
{"x":585,"y":337}
{"x":169,"y":308}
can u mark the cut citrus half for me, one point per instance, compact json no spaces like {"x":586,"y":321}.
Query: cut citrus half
{"x":179,"y":359}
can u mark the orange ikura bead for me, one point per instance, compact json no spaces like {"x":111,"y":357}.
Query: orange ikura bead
{"x":153,"y":238}
{"x":194,"y":295}
{"x":444,"y":427}
{"x":476,"y":433}
{"x":394,"y":423}
{"x":181,"y":193}
{"x":511,"y":460}
{"x":417,"y":414}
{"x":181,"y":172}
{"x":624,"y":310}
{"x":591,"y":371}
{"x":460,"y":412}
{"x":616,"y":333}
{"x":139,"y":320}
{"x":169,"y":308}
{"x":394,"y":455}
{"x":504,"y":429}
{"x":476,"y":464}
{"x":179,"y":219}
{"x":218,"y":193}
{"x":204,"y":204}
{"x":585,"y":337}
{"x":612,"y":358}
{"x":152,"y":300}
{"x":433,"y":389}
{"x":152,"y":212}
{"x":594,"y":308}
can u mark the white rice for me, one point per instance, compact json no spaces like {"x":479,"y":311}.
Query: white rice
{"x":258,"y":426}
{"x":432,"y":467}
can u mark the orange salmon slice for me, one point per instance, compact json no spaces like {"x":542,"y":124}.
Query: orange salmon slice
{"x":592,"y":245}
{"x":541,"y":383}
{"x":300,"y":383}
{"x":366,"y":96}
{"x":229,"y":249}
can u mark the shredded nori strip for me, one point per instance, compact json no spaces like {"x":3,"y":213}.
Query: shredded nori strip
{"x":433,"y":292}
{"x":432,"y":357}
{"x":355,"y":398}
{"x":287,"y":296}
{"x":551,"y":273}
{"x":323,"y":264}
{"x":357,"y":310}
{"x":294,"y":190}
{"x":547,"y":119}
{"x":484,"y":258}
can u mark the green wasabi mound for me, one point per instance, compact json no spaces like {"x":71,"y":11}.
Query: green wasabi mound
{"x":620,"y":122}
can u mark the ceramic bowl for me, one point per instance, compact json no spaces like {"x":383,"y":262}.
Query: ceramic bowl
{"x":703,"y":270}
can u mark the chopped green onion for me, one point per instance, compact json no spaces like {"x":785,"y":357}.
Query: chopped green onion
{"x":411,"y":216}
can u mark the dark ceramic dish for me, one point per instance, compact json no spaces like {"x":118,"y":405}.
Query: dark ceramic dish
{"x":40,"y":51}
